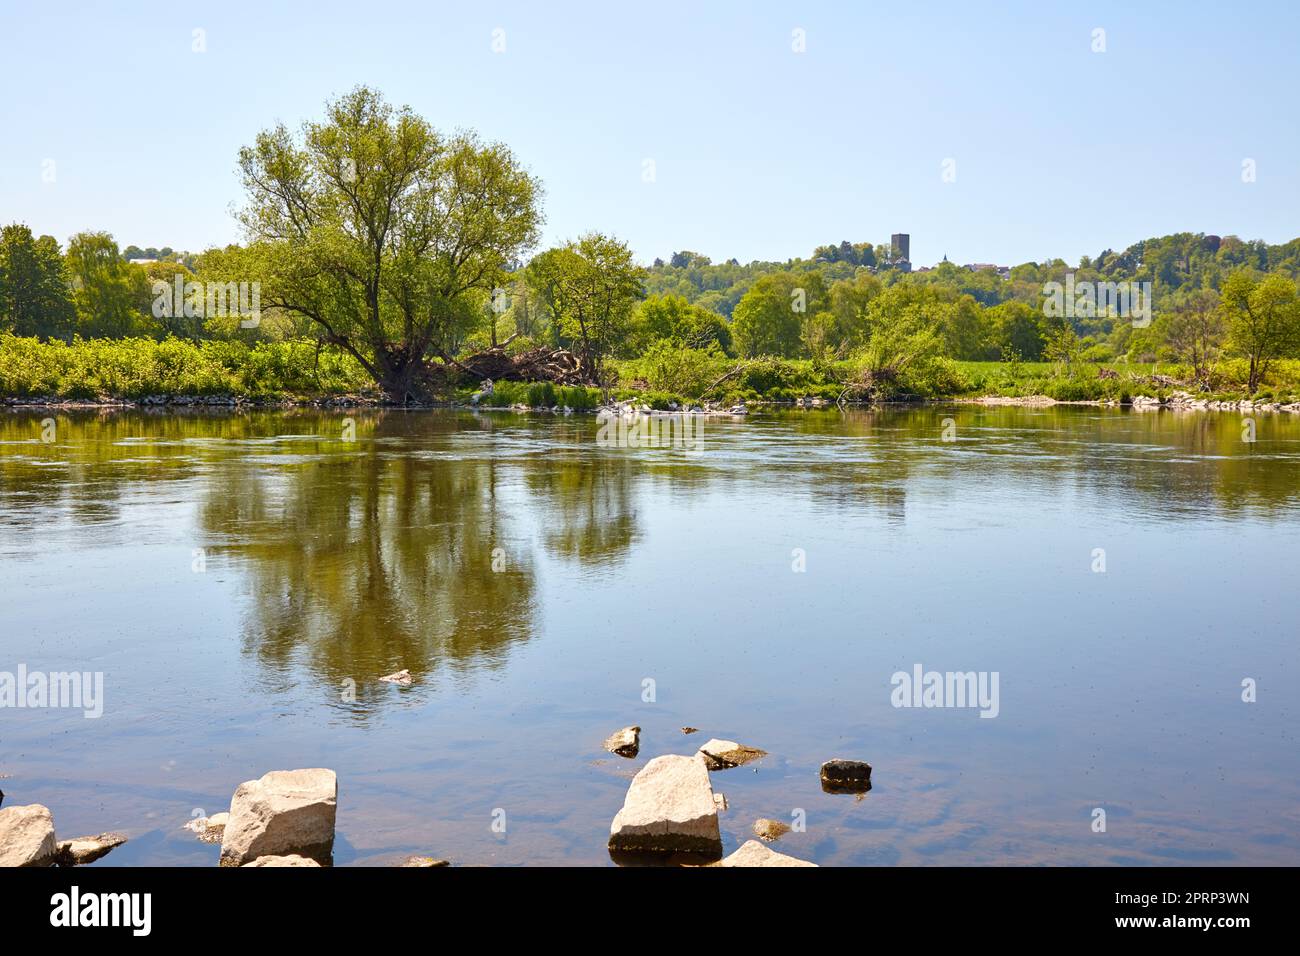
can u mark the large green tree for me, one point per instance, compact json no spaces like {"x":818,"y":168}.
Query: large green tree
{"x":112,"y":296}
{"x":1263,"y":319}
{"x":777,"y":313}
{"x":1194,"y":330}
{"x":34,"y":297}
{"x":387,"y":234}
{"x":670,"y":318}
{"x":590,"y":287}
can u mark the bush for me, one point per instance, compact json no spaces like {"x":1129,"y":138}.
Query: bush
{"x":935,"y":378}
{"x":542,"y":395}
{"x":135,"y":368}
{"x":1074,"y":389}
{"x":666,"y":367}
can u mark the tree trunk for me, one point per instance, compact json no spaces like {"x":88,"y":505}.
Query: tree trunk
{"x":398,"y":382}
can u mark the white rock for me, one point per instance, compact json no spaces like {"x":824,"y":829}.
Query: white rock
{"x":767,"y":829}
{"x":290,"y":860}
{"x":402,"y":677}
{"x":669,"y":808}
{"x":625,"y":742}
{"x":82,"y":850}
{"x":725,"y":754}
{"x":285,"y":812}
{"x":27,"y":836}
{"x":209,"y":829}
{"x":754,"y":853}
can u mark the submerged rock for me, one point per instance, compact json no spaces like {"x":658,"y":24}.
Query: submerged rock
{"x":669,"y":808}
{"x":27,"y":836}
{"x":424,"y":861}
{"x":291,"y":860}
{"x":402,"y":677}
{"x":625,"y":742}
{"x":87,"y":849}
{"x":725,"y":754}
{"x":769,"y":830}
{"x":690,"y":730}
{"x":284,"y":812}
{"x":209,"y":829}
{"x":846,"y":776}
{"x":754,"y":853}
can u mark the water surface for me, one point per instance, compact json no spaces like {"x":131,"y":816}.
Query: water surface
{"x":243,"y":580}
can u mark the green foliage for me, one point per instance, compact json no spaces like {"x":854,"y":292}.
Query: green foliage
{"x":1075,"y":389}
{"x":671,"y":368}
{"x":1262,"y":315}
{"x":936,"y":377}
{"x":386,"y":234}
{"x":588,"y":288}
{"x":671,"y":319}
{"x":34,"y":290}
{"x":775,"y":316}
{"x":111,"y":296}
{"x":542,"y":395}
{"x":136,"y":368}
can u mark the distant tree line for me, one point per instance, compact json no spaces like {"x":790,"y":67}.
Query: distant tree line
{"x":375,"y":234}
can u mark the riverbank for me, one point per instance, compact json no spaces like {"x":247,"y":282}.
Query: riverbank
{"x":1178,"y":401}
{"x":137,"y":373}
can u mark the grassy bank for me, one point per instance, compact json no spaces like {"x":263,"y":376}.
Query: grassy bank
{"x":136,"y":369}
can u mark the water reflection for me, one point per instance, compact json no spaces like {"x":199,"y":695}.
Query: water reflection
{"x":416,"y":543}
{"x":530,"y":580}
{"x":358,"y":563}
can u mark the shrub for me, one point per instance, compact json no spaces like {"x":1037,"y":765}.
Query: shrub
{"x":540,"y":395}
{"x":937,"y":377}
{"x":1074,"y":389}
{"x":137,"y":367}
{"x":666,"y":367}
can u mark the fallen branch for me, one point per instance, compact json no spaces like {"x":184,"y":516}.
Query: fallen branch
{"x":734,"y":371}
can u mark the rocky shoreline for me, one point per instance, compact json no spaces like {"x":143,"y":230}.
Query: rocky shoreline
{"x":1178,"y":401}
{"x":286,"y":818}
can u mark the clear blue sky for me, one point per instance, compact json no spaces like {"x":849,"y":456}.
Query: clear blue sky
{"x":759,"y":152}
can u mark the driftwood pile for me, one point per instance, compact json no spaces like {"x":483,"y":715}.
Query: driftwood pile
{"x":539,"y":364}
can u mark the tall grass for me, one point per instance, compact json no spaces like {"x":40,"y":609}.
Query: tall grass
{"x":140,"y":367}
{"x":542,"y":395}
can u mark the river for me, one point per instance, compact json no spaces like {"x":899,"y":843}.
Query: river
{"x":1123,"y":580}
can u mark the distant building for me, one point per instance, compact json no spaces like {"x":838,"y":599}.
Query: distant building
{"x":900,"y":246}
{"x":1003,"y":271}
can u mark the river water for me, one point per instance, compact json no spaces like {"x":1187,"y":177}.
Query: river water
{"x":1122,"y":580}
